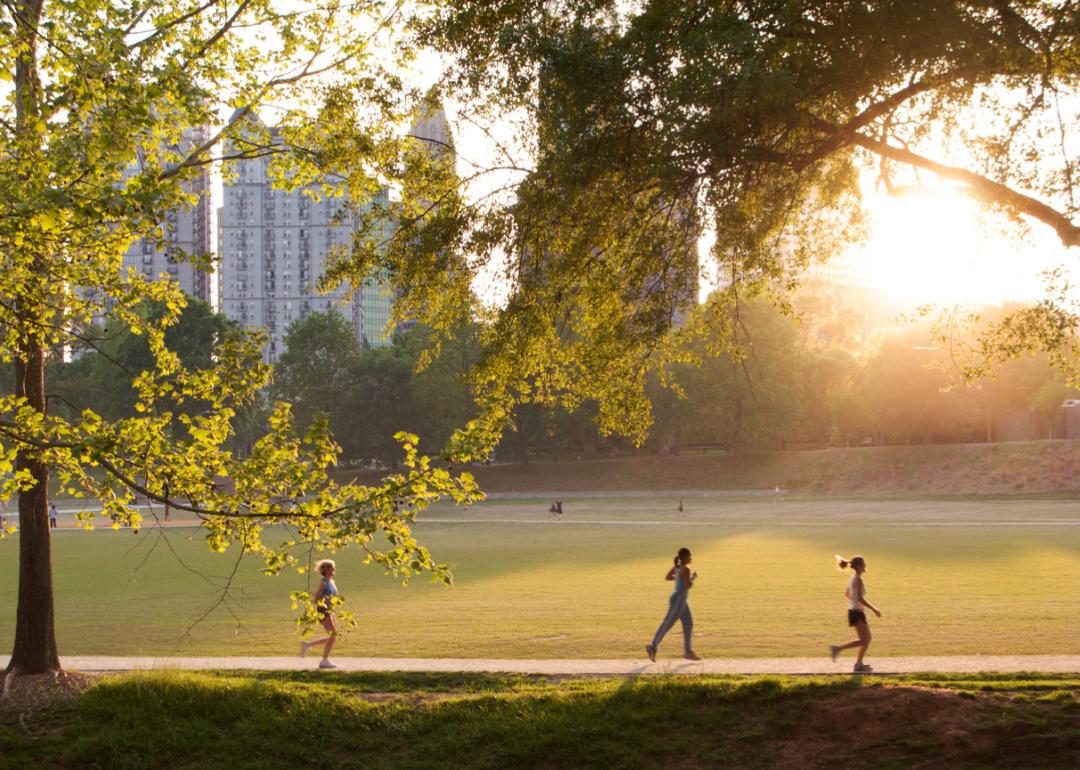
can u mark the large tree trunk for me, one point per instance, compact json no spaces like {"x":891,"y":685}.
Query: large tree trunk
{"x":35,"y":632}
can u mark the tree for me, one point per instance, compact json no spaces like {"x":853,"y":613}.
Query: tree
{"x":646,"y":123}
{"x":94,"y":156}
{"x":316,"y":374}
{"x":100,"y":378}
{"x":753,"y":398}
{"x":440,"y":393}
{"x":905,"y":387}
{"x":1047,"y":402}
{"x":380,"y":402}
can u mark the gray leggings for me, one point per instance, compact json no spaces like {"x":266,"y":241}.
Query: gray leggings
{"x":678,"y":609}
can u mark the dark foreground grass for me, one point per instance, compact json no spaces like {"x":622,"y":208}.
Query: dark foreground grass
{"x":271,"y":720}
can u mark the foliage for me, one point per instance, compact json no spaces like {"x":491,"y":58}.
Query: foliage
{"x":100,"y":377}
{"x":93,"y":134}
{"x":641,"y":126}
{"x":316,"y":371}
{"x":369,"y":394}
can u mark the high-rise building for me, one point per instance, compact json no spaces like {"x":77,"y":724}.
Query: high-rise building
{"x":852,"y":268}
{"x":187,"y":234}
{"x":433,"y":129}
{"x":274,"y":246}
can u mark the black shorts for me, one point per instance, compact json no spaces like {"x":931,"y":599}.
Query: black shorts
{"x":322,"y":612}
{"x":854,"y":616}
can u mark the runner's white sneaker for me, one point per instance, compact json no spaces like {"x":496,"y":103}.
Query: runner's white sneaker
{"x":324,"y":663}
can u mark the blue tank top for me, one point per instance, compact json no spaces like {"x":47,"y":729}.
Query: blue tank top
{"x":679,"y":587}
{"x":328,"y":588}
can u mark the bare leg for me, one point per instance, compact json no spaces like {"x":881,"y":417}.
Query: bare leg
{"x":326,"y":642}
{"x":331,"y":628}
{"x":863,"y":629}
{"x":849,"y":645}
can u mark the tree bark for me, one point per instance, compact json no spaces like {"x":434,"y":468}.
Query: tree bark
{"x":35,"y":631}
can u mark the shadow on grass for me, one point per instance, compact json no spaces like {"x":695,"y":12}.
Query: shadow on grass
{"x":421,"y":721}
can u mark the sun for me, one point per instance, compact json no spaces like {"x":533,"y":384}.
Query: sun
{"x":933,"y":246}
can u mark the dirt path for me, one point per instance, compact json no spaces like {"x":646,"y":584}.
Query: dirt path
{"x":953,"y":664}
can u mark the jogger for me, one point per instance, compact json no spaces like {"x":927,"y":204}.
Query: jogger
{"x":324,"y":607}
{"x":856,"y":595}
{"x":678,"y":606}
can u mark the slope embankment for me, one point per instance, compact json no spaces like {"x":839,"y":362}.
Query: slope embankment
{"x":1021,"y":468}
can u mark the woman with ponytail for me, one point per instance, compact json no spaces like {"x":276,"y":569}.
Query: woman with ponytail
{"x":856,"y":594}
{"x":678,"y":608}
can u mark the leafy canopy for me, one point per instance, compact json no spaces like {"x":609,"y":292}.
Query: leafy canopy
{"x":644,"y":125}
{"x":96,"y":132}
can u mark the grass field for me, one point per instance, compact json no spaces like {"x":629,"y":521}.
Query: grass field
{"x":953,"y":577}
{"x":439,"y":721}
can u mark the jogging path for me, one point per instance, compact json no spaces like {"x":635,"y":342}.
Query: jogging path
{"x":962,"y":664}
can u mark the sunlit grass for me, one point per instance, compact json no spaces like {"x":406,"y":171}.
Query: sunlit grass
{"x":952,"y":578}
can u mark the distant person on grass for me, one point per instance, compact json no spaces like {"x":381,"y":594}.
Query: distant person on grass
{"x":678,"y":607}
{"x":856,"y":594}
{"x":52,"y":515}
{"x":324,"y":607}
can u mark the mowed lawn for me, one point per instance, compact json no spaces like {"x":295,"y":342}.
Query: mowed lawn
{"x":953,"y":577}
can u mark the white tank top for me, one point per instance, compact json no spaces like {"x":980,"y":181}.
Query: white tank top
{"x":853,"y":596}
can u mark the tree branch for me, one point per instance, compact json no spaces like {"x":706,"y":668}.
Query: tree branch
{"x":979,"y":187}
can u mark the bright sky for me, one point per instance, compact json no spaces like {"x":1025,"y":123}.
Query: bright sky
{"x":940,"y":247}
{"x":935,"y":246}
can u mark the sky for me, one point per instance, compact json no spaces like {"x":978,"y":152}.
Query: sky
{"x":940,"y":247}
{"x":935,"y":247}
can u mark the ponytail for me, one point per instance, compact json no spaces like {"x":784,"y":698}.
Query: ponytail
{"x":854,"y":561}
{"x":682,"y":554}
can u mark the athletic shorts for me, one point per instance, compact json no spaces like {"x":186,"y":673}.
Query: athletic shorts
{"x":854,"y":616}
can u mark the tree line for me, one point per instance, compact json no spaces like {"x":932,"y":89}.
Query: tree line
{"x":807,"y":377}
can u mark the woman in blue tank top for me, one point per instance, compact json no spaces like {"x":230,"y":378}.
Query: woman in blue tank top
{"x":324,"y":608}
{"x":678,"y":608}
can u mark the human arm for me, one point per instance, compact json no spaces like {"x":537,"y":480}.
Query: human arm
{"x":687,"y":576}
{"x":862,"y":598}
{"x":670,"y":574}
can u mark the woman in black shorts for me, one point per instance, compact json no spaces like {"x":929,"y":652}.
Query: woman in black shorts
{"x":856,"y":594}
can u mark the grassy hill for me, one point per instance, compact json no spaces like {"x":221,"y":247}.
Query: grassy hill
{"x":479,"y":722}
{"x":1036,"y":467}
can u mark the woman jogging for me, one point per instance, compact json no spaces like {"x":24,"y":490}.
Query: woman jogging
{"x":325,"y":608}
{"x":856,"y":594}
{"x":678,"y":608}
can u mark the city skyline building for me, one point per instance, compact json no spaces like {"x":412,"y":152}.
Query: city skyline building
{"x":188,"y":234}
{"x":274,"y":245}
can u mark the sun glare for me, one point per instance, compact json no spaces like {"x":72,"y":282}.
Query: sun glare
{"x":932,"y":247}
